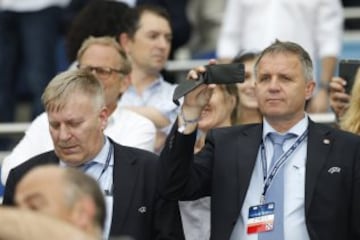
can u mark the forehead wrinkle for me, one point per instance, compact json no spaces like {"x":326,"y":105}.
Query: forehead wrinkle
{"x":287,"y":64}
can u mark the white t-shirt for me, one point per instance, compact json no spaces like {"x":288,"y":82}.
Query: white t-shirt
{"x":252,"y":25}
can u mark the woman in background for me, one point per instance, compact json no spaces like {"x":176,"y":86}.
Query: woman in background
{"x":248,"y":111}
{"x":350,"y":120}
{"x":220,"y":112}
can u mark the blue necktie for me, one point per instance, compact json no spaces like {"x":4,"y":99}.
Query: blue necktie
{"x":275,"y":193}
{"x":86,"y":166}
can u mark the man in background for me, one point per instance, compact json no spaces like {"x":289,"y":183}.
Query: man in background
{"x":147,"y":41}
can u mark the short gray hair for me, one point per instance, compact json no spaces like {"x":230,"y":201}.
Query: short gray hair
{"x":70,"y":82}
{"x":293,"y":48}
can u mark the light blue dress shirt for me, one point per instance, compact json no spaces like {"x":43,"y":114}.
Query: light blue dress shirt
{"x":103,"y":174}
{"x":158,"y":95}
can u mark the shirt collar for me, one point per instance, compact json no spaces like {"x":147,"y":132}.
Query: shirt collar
{"x":157,"y":83}
{"x":103,"y":154}
{"x":297,"y":129}
{"x":100,"y":158}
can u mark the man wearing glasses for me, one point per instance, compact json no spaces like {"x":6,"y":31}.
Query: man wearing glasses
{"x":104,"y":57}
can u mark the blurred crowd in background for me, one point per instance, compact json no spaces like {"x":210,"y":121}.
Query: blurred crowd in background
{"x":40,"y":38}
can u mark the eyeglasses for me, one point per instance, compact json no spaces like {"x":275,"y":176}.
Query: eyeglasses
{"x":102,"y":72}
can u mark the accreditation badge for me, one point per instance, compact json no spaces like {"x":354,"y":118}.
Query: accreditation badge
{"x":261,"y":218}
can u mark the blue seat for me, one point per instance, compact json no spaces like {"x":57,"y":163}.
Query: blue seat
{"x":351,"y":49}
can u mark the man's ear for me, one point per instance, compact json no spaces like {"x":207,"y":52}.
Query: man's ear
{"x":124,"y":40}
{"x":309,"y":90}
{"x":125,"y":83}
{"x":83,"y":213}
{"x":103,"y":117}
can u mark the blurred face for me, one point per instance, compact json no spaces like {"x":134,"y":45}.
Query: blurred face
{"x":77,"y":130}
{"x":36,"y":192}
{"x":107,"y":57}
{"x":217,"y":113}
{"x":281,"y":87}
{"x":150,"y":47}
{"x":247,"y":88}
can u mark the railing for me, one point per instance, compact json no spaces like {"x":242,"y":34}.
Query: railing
{"x":352,"y":12}
{"x":18,"y":129}
{"x":13,"y":128}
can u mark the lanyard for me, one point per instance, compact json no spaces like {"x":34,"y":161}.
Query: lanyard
{"x":107,"y":162}
{"x":279,"y":163}
{"x":108,"y":192}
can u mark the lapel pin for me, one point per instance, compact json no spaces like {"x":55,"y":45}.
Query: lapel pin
{"x":334,"y":170}
{"x":142,"y":209}
{"x":326,"y":141}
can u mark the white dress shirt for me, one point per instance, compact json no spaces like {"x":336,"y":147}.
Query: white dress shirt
{"x":294,"y":188}
{"x":124,"y":127}
{"x":254,"y":24}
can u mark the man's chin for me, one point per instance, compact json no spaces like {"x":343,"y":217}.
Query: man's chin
{"x":273,"y":114}
{"x":72,"y":160}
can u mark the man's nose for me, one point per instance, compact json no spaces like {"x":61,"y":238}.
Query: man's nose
{"x":163,"y":42}
{"x":274,"y":83}
{"x":64,"y":133}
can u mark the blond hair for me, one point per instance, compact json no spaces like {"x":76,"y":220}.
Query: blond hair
{"x":350,"y":121}
{"x":72,"y":82}
{"x":109,"y":42}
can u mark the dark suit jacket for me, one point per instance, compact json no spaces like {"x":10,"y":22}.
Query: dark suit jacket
{"x":224,"y":167}
{"x":134,"y":179}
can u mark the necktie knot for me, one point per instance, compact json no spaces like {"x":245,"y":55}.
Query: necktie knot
{"x":278,"y":142}
{"x":84,"y":167}
{"x":279,"y":139}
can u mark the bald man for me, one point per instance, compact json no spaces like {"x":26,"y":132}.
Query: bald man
{"x":54,"y":203}
{"x":16,"y":223}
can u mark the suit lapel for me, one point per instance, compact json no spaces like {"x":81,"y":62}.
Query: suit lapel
{"x":124,"y":175}
{"x":318,"y":146}
{"x":248,"y":141}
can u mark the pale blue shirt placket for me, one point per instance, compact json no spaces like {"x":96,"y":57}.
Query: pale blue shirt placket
{"x":105,"y":180}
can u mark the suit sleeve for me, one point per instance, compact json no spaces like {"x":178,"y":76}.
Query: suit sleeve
{"x":355,"y":208}
{"x":167,"y":222}
{"x":181,"y":174}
